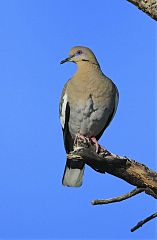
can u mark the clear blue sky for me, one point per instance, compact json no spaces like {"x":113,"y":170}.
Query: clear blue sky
{"x":34,"y":37}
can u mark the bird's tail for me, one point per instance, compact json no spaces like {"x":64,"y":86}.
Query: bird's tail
{"x":73,"y":173}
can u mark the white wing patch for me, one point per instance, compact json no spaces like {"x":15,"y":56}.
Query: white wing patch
{"x":63,"y":109}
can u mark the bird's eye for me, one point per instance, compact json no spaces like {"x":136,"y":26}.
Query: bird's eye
{"x":79,"y":52}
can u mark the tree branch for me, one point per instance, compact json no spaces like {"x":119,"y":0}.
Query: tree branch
{"x":127,"y":169}
{"x":119,"y":198}
{"x":141,"y":223}
{"x":147,"y":6}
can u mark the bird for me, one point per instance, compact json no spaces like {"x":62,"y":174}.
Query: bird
{"x":88,"y":103}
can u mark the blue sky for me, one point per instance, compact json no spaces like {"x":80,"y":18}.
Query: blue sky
{"x":34,"y":37}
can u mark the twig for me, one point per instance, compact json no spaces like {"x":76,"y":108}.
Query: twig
{"x":141,"y":223}
{"x":119,"y":198}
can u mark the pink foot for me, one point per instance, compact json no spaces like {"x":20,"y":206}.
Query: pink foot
{"x":87,"y":139}
{"x":78,"y":135}
{"x":93,"y":139}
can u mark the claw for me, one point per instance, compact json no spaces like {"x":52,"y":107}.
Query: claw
{"x":78,"y":135}
{"x":87,"y":139}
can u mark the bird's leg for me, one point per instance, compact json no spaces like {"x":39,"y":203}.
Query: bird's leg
{"x":97,"y":146}
{"x":80,"y":136}
{"x":87,"y":140}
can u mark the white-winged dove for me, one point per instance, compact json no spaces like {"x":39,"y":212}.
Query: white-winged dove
{"x":88,"y":103}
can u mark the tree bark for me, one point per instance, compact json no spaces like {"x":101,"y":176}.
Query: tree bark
{"x":147,"y":6}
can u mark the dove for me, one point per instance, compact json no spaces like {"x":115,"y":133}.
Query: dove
{"x":88,"y":104}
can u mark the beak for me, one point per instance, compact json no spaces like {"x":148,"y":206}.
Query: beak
{"x":67,"y":59}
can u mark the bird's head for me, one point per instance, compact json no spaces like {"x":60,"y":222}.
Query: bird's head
{"x":81,"y":54}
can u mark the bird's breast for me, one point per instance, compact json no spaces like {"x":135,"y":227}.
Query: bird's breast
{"x":91,"y":106}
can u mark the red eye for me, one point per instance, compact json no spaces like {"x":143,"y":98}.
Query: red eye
{"x":79,"y":52}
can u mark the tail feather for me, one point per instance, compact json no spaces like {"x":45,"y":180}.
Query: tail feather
{"x":73,"y":173}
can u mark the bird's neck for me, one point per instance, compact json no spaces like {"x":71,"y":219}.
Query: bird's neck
{"x":87,"y":68}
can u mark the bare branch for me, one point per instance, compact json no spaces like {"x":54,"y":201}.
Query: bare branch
{"x":141,"y":223}
{"x":147,"y":6}
{"x":119,"y":198}
{"x":127,"y":169}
